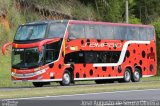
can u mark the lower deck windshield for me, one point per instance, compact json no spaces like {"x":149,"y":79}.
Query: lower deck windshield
{"x":26,"y":58}
{"x":32,"y":58}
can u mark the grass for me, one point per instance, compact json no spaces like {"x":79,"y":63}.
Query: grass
{"x":52,"y":91}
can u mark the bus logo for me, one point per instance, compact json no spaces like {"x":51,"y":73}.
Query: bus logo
{"x":109,"y":45}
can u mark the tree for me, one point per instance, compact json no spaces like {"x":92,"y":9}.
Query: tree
{"x":110,"y":10}
{"x":147,"y":10}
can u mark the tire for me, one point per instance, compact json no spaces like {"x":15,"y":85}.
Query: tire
{"x":37,"y":84}
{"x":136,"y":75}
{"x":127,"y":76}
{"x":66,"y":80}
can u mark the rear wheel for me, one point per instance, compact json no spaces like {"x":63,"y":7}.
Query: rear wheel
{"x":136,"y":75}
{"x":38,"y":84}
{"x":66,"y":80}
{"x":127,"y":76}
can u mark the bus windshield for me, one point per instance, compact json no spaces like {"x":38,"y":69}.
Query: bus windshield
{"x":31,"y":32}
{"x":26,"y":58}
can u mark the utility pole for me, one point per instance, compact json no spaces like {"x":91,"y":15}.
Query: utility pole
{"x":127,"y":11}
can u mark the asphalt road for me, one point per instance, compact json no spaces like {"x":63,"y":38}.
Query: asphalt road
{"x":89,"y":99}
{"x":150,"y":94}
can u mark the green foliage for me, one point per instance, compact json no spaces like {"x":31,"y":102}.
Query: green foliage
{"x":3,"y":35}
{"x":133,"y":20}
{"x":147,"y":10}
{"x":157,"y":28}
{"x":83,"y":12}
{"x":110,"y":10}
{"x":15,"y":18}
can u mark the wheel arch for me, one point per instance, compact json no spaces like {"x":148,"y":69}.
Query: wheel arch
{"x":130,"y":68}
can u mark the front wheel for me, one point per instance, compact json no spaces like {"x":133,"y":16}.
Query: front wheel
{"x":37,"y":84}
{"x":136,"y":75}
{"x":66,"y":80}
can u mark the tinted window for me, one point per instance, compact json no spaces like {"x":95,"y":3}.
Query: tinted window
{"x":52,"y":51}
{"x":120,"y":32}
{"x":76,"y":31}
{"x":57,"y":30}
{"x":92,"y":31}
{"x":150,"y":33}
{"x":92,"y":57}
{"x":143,"y":34}
{"x":132,"y":33}
{"x":106,"y":32}
{"x":31,"y":32}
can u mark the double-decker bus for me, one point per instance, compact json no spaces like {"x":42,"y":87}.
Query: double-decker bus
{"x":68,"y":50}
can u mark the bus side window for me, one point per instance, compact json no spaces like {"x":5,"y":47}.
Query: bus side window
{"x":91,"y":57}
{"x":56,"y":30}
{"x":120,"y":32}
{"x":132,"y":33}
{"x":76,"y":31}
{"x":52,"y":51}
{"x":143,"y":34}
{"x":92,"y":31}
{"x":106,"y":32}
{"x":150,"y":33}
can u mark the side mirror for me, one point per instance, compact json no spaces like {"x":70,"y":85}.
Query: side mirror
{"x":5,"y":47}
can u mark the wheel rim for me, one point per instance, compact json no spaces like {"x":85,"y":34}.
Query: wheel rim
{"x":136,"y":75}
{"x":66,"y":78}
{"x":127,"y":76}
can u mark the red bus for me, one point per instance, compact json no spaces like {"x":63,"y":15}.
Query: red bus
{"x":69,"y":50}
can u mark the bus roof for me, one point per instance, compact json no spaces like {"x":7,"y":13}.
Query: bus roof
{"x":44,"y":22}
{"x":88,"y":22}
{"x":108,"y":23}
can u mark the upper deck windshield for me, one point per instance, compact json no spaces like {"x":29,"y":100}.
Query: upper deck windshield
{"x":38,"y":31}
{"x":31,"y":32}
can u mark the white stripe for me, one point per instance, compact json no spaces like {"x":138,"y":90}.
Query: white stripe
{"x":28,"y":75}
{"x":123,"y":52}
{"x":95,"y":78}
{"x":43,"y":80}
{"x":147,"y":75}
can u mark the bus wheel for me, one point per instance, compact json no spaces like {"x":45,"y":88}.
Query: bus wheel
{"x":127,"y":76}
{"x":66,"y":80}
{"x":38,"y":84}
{"x":136,"y":75}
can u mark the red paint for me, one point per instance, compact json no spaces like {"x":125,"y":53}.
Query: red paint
{"x":5,"y":47}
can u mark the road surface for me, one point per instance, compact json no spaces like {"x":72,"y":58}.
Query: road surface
{"x":95,"y":99}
